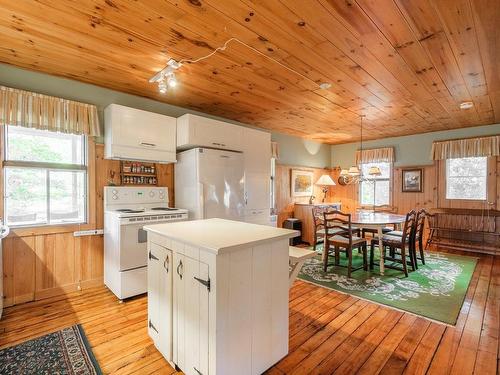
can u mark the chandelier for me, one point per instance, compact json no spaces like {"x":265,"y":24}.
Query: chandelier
{"x":354,"y":175}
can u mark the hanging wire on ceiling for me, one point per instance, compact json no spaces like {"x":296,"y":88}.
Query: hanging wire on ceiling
{"x":173,"y":65}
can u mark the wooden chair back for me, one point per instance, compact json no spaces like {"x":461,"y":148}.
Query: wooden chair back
{"x":409,"y":227}
{"x":339,"y":224}
{"x":419,"y":224}
{"x":317,"y":213}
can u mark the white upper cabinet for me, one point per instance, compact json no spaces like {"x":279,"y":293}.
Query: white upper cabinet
{"x":133,"y":134}
{"x":257,"y":152}
{"x":198,"y":131}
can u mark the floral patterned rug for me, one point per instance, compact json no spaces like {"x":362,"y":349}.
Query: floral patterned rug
{"x":65,"y":352}
{"x":436,"y":290}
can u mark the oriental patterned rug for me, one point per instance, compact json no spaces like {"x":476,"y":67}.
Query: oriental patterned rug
{"x":65,"y":352}
{"x":435,"y":291}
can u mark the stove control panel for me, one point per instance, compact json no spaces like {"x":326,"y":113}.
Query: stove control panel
{"x":127,"y":195}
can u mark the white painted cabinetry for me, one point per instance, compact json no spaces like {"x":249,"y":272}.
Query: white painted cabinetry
{"x":160,"y":283}
{"x":229,"y":301}
{"x":257,"y":154}
{"x":133,"y":134}
{"x":198,"y":131}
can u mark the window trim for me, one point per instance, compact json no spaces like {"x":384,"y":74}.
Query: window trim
{"x":445,"y":164}
{"x":50,"y":167}
{"x":390,"y":180}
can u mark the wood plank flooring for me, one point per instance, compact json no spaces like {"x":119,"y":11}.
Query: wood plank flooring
{"x":330,"y":333}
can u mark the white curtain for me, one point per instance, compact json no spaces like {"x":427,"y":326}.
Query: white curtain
{"x":375,"y":155}
{"x":32,"y":110}
{"x":464,"y":148}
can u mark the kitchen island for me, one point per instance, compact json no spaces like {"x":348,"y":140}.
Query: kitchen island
{"x":218,"y":295}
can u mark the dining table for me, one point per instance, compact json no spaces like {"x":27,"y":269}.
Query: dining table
{"x":377,"y":221}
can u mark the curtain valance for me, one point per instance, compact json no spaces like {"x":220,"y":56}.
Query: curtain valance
{"x":32,"y":110}
{"x":375,"y":155}
{"x":275,"y":153}
{"x":464,"y":148}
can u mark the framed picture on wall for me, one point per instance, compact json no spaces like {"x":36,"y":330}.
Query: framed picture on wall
{"x":301,"y":183}
{"x":413,"y":180}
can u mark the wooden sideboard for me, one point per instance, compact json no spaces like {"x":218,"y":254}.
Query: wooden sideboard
{"x":303,"y":211}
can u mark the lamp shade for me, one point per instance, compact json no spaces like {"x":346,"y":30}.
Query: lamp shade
{"x":344,"y":172}
{"x":325,"y":180}
{"x":374,"y":171}
{"x":354,"y":171}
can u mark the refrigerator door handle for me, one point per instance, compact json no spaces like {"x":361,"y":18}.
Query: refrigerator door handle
{"x":202,"y":200}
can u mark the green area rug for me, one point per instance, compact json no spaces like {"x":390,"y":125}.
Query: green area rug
{"x":436,"y":290}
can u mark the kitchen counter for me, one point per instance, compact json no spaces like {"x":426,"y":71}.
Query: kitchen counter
{"x":218,"y":295}
{"x":219,"y":235}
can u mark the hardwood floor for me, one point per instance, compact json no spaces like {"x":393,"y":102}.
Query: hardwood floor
{"x":329,"y":332}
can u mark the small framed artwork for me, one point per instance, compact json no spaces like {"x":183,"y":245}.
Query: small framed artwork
{"x":301,"y":183}
{"x":413,"y":180}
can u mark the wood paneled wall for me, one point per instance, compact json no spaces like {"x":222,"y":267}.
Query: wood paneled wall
{"x":284,"y":200}
{"x":43,"y":262}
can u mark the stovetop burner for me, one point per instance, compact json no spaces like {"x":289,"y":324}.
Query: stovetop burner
{"x":163,"y":209}
{"x":129,"y":210}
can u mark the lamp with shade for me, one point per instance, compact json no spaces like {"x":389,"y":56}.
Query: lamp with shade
{"x":325,"y":181}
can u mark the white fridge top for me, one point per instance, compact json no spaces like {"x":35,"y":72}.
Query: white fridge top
{"x":220,"y":235}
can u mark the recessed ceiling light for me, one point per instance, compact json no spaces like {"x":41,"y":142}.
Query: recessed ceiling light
{"x":325,"y":85}
{"x":466,"y":105}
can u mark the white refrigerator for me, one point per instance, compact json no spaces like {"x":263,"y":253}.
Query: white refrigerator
{"x":210,"y":183}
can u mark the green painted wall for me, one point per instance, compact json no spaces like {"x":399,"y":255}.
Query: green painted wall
{"x":409,"y":150}
{"x":293,"y":150}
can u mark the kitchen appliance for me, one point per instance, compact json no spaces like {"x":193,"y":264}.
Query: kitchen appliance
{"x":210,"y":183}
{"x":126,"y":211}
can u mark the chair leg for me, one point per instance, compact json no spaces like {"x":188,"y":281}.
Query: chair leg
{"x":315,"y":241}
{"x":403,"y":258}
{"x":349,"y":265}
{"x":365,"y":256}
{"x":337,"y":255}
{"x":326,"y":247}
{"x":372,"y":250}
{"x":421,"y":248}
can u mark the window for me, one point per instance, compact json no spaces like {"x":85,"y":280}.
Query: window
{"x":375,"y":190}
{"x":466,"y":178}
{"x":45,"y":177}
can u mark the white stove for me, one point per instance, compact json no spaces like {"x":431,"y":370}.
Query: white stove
{"x":126,"y":211}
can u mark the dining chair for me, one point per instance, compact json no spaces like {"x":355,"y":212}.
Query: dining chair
{"x":340,"y":236}
{"x":417,"y":236}
{"x":384,"y":209}
{"x":319,"y":231}
{"x":398,"y":245}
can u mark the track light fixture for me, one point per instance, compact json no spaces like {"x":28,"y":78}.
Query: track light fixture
{"x":166,"y":78}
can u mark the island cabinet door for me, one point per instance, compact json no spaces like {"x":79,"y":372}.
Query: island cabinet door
{"x":160,"y":298}
{"x":191,"y":289}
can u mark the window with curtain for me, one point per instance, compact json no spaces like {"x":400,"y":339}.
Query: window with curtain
{"x":375,"y":190}
{"x":466,"y":178}
{"x":45,"y":177}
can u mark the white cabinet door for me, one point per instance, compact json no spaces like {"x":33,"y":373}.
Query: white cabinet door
{"x":146,"y":130}
{"x":191,"y":315}
{"x":200,"y":131}
{"x":160,"y":298}
{"x":257,"y":191}
{"x":256,"y":146}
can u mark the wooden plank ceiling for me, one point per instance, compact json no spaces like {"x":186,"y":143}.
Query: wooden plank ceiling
{"x":404,"y":64}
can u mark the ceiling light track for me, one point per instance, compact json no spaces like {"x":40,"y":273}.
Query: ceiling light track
{"x":167,"y":73}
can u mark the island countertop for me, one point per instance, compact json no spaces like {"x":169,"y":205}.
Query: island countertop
{"x":219,"y":235}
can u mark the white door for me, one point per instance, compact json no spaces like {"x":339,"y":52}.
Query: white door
{"x":221,"y":177}
{"x":133,"y":246}
{"x":257,"y":194}
{"x":191,"y":284}
{"x":165,"y":304}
